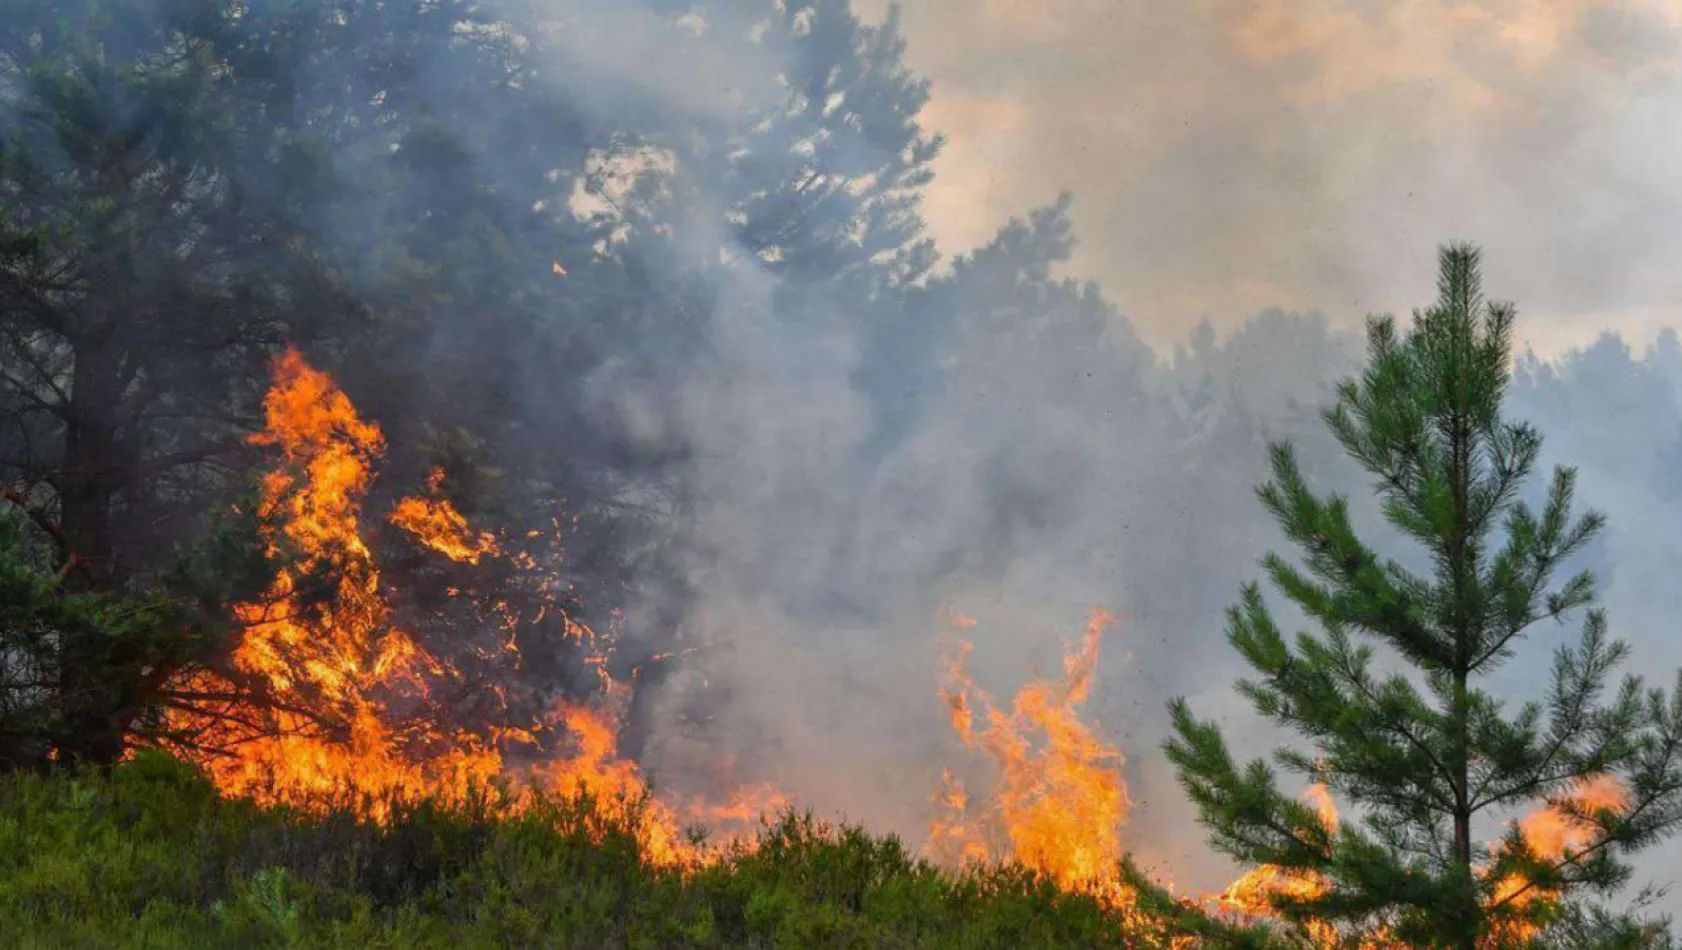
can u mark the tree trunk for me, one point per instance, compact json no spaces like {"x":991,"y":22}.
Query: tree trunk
{"x":1463,"y":562}
{"x":639,"y":718}
{"x":92,"y":696}
{"x":1468,"y":912}
{"x":86,"y":482}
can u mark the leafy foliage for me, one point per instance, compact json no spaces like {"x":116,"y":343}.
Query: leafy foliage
{"x":69,"y":658}
{"x":44,"y":630}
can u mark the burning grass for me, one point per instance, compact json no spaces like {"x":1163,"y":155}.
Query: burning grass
{"x":1058,"y":800}
{"x":153,"y":856}
{"x":348,"y":738}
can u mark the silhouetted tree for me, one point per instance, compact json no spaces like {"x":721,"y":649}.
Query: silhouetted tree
{"x":186,"y":185}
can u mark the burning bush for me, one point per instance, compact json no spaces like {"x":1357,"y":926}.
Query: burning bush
{"x":151,"y":855}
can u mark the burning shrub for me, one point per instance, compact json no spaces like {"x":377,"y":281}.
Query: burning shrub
{"x":148,"y":855}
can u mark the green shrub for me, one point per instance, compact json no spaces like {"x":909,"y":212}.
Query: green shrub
{"x":149,"y":856}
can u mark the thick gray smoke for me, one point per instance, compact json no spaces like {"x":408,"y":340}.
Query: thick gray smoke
{"x":1234,"y":155}
{"x":1023,"y":497}
{"x":664,"y":263}
{"x":1050,"y":460}
{"x":669,"y":267}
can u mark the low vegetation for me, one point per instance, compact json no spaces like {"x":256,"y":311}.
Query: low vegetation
{"x":149,"y":855}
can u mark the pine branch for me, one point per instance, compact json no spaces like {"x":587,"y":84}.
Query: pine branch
{"x":73,"y":560}
{"x":1425,"y":418}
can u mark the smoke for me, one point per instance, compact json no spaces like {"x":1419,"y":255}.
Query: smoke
{"x":836,"y":442}
{"x":1614,"y":416}
{"x":1030,"y":458}
{"x":1240,"y":155}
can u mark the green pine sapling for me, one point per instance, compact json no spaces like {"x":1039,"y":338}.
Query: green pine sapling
{"x":1430,"y":759}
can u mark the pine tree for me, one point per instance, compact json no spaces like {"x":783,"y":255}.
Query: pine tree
{"x":1410,"y":735}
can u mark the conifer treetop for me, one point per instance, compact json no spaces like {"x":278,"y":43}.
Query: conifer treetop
{"x":1389,"y":690}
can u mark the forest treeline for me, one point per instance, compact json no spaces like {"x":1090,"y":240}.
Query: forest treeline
{"x":514,"y":253}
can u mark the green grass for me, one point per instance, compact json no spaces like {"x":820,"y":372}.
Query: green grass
{"x":150,"y":856}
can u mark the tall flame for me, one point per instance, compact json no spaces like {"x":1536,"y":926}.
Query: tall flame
{"x":1059,"y":800}
{"x":321,"y":642}
{"x":1058,"y":803}
{"x":347,"y":694}
{"x":346,"y":690}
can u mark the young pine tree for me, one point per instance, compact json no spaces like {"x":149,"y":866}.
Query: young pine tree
{"x":1435,"y":763}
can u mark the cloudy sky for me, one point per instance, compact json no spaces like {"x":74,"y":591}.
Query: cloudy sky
{"x":1228,"y":155}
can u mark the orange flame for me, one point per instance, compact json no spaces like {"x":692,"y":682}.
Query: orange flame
{"x":343,"y":682}
{"x":347,"y":694}
{"x":1549,"y":831}
{"x":321,"y":641}
{"x":1553,"y":833}
{"x":435,"y":523}
{"x":1251,"y":895}
{"x":1058,"y":804}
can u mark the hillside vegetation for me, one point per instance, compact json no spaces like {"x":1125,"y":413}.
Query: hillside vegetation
{"x":151,"y":856}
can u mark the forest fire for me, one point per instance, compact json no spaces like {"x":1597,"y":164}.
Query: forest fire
{"x":1550,"y":832}
{"x":350,"y":707}
{"x":1059,"y":801}
{"x":325,"y":650}
{"x":434,"y":522}
{"x":348,"y":692}
{"x":1249,"y":892}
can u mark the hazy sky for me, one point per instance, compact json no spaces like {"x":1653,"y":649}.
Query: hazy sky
{"x":1228,"y":155}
